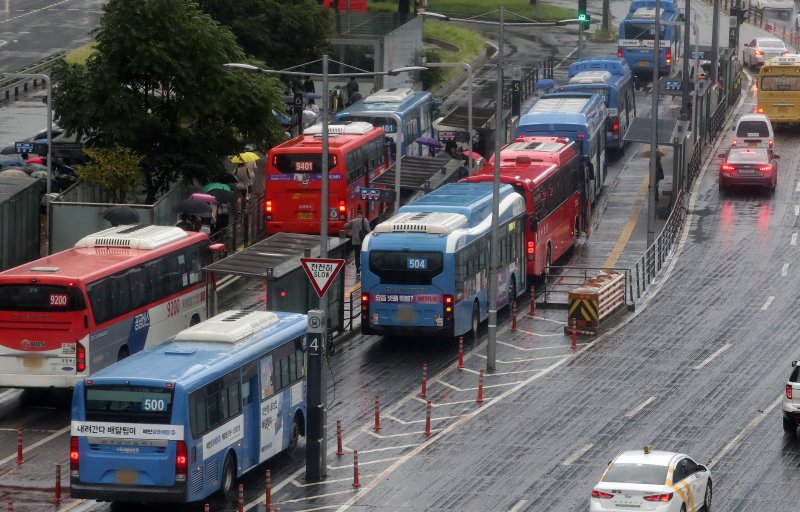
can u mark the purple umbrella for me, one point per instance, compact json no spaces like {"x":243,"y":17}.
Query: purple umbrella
{"x":428,"y":141}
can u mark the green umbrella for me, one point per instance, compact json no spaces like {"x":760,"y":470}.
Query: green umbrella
{"x":216,"y":186}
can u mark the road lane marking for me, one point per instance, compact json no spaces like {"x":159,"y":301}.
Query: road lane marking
{"x":794,"y":239}
{"x":34,"y":11}
{"x":712,"y":356}
{"x":633,"y":412}
{"x":627,"y":231}
{"x":368,"y":430}
{"x":797,"y":210}
{"x":367,"y":463}
{"x":549,"y":347}
{"x":797,"y":188}
{"x":519,"y":505}
{"x":745,"y":431}
{"x":537,"y":334}
{"x":384,"y":449}
{"x":411,"y":422}
{"x":576,"y":455}
{"x":785,"y":270}
{"x":37,"y":444}
{"x":766,"y":304}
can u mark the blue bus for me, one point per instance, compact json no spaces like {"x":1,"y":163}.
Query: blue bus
{"x":637,"y":32}
{"x":611,"y":78}
{"x":414,"y":108}
{"x":425,"y":270}
{"x":184,"y":419}
{"x":577,"y":116}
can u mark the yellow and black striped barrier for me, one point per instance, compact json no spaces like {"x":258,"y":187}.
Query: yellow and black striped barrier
{"x":595,"y":300}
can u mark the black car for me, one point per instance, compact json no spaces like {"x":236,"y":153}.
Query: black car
{"x":749,"y":166}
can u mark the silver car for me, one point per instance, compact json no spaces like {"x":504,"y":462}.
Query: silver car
{"x":761,"y":49}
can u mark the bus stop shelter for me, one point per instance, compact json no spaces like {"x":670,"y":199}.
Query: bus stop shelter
{"x":421,"y":174}
{"x":276,"y":261}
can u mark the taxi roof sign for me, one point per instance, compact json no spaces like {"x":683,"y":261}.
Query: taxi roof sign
{"x":321,"y":272}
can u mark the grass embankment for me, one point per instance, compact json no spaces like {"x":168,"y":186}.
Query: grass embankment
{"x":79,"y":55}
{"x":469,"y":45}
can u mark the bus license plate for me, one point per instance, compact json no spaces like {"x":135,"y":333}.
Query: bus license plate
{"x":753,"y":144}
{"x":644,"y":63}
{"x":32,"y":361}
{"x":127,"y":476}
{"x":406,"y":315}
{"x":305,"y":215}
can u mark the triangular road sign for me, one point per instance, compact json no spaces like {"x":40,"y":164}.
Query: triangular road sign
{"x":321,"y":271}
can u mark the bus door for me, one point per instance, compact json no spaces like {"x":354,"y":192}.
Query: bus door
{"x":251,"y":446}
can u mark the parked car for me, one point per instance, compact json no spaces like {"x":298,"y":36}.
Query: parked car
{"x":761,"y":49}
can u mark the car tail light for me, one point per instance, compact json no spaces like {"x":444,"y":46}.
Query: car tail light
{"x":74,"y":458}
{"x":760,"y":110}
{"x":728,"y":167}
{"x":181,"y":461}
{"x":616,"y":126}
{"x":342,"y":210}
{"x":448,"y":309}
{"x":602,"y":495}
{"x":669,"y":56}
{"x":789,"y":391}
{"x":759,"y":53}
{"x":268,"y":208}
{"x":765,"y":168}
{"x":531,"y":250}
{"x":771,"y":143}
{"x":785,"y":53}
{"x":619,"y":51}
{"x":659,"y":497}
{"x":80,"y":357}
{"x":364,"y":308}
{"x":733,"y":142}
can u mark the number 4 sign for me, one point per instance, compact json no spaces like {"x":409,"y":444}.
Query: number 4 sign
{"x":321,"y":272}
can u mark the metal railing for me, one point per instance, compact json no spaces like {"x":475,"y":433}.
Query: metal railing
{"x":352,"y":308}
{"x":564,"y":279}
{"x":13,"y":88}
{"x":245,"y":228}
{"x":541,"y":70}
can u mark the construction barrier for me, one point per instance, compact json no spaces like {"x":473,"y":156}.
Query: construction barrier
{"x":594,"y":301}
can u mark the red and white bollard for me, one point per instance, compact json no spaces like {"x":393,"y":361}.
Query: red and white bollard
{"x":268,"y":492}
{"x":356,"y":483}
{"x":513,"y":316}
{"x":533,"y":301}
{"x":377,"y":412}
{"x":19,"y":445}
{"x":57,"y":499}
{"x":424,"y":381}
{"x":574,"y":329}
{"x":241,"y":497}
{"x":428,"y":419}
{"x":460,"y":352}
{"x":480,"y":387}
{"x":339,"y":450}
{"x":10,"y":506}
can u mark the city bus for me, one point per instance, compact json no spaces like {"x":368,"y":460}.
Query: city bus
{"x":356,"y":156}
{"x":611,"y":78}
{"x":414,"y":108}
{"x":576,"y":116}
{"x":183,"y":420}
{"x":114,"y":293}
{"x":636,"y":36}
{"x":425,"y":270}
{"x":548,"y":173}
{"x":778,"y":89}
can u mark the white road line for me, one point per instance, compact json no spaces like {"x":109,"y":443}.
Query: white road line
{"x":34,"y":11}
{"x":550,"y":347}
{"x":766,"y":304}
{"x":633,"y":412}
{"x":411,"y":422}
{"x":514,"y":361}
{"x":306,"y":498}
{"x":326,"y":481}
{"x":785,"y":270}
{"x":37,"y":444}
{"x":404,"y":434}
{"x":712,"y":356}
{"x":523,"y":331}
{"x":794,"y":239}
{"x":325,"y":507}
{"x":746,"y":430}
{"x":797,"y":188}
{"x":519,"y":505}
{"x":576,"y":455}
{"x":367,"y":463}
{"x":485,"y":386}
{"x":444,"y":404}
{"x":386,"y":449}
{"x":797,"y":210}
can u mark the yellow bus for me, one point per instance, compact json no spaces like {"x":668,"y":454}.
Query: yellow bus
{"x":778,"y":94}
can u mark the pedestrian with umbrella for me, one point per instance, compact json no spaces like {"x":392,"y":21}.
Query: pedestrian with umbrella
{"x":245,"y":175}
{"x":121,"y":215}
{"x":432,"y":144}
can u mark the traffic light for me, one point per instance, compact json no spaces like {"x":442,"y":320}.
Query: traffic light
{"x":582,"y":14}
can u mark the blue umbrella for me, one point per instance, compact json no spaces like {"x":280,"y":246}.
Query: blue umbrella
{"x":283,"y":119}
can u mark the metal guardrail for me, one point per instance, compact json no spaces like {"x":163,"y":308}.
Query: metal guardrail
{"x":13,"y":88}
{"x":541,"y":70}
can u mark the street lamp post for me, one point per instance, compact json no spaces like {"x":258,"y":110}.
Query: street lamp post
{"x":316,"y":466}
{"x":468,"y":68}
{"x":46,"y":79}
{"x":651,"y":200}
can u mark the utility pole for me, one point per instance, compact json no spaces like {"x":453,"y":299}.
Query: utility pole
{"x":686,"y":53}
{"x":715,"y":43}
{"x":651,"y":196}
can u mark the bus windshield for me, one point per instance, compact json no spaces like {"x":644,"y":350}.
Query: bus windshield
{"x":395,"y":267}
{"x":129,"y":404}
{"x":780,"y":83}
{"x":291,"y":163}
{"x":29,"y":297}
{"x":642,"y":31}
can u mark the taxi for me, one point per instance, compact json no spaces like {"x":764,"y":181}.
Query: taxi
{"x":652,"y":480}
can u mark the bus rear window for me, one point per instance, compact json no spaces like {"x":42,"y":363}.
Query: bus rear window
{"x":129,"y":404}
{"x":642,"y":31}
{"x":397,"y":267}
{"x":296,"y":163}
{"x":32,"y":297}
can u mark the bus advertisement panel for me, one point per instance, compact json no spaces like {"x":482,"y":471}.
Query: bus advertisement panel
{"x":548,"y":173}
{"x":116,"y":292}
{"x":425,"y":270}
{"x":183,"y":420}
{"x":356,"y":156}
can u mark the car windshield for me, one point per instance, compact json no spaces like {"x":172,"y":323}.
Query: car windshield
{"x":748,"y":156}
{"x":636,"y":474}
{"x":770,"y":44}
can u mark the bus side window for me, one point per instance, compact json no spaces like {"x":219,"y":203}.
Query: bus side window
{"x":100,"y":299}
{"x":138,"y":287}
{"x":282,"y":373}
{"x":248,"y":382}
{"x":351,"y":167}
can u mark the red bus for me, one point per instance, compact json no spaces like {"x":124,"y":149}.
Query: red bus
{"x":356,"y":155}
{"x":115,"y":292}
{"x":548,"y":173}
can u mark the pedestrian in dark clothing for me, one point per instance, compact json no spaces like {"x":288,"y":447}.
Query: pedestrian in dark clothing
{"x":659,"y":172}
{"x":359,"y":229}
{"x":185,"y":224}
{"x":356,"y":96}
{"x":308,"y":85}
{"x":352,"y":86}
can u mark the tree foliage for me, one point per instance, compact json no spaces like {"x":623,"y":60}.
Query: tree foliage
{"x":115,"y":170}
{"x":157,"y":85}
{"x":280,"y":33}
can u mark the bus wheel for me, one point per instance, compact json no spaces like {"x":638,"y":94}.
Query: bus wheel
{"x":226,"y":487}
{"x":476,"y":320}
{"x":294,"y":439}
{"x":123,"y":353}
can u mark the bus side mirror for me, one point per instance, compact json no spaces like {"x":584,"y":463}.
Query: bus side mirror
{"x":590,"y":171}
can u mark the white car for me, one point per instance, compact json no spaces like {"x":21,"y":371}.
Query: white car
{"x":791,"y":401}
{"x":786,"y":7}
{"x":760,"y":50}
{"x":654,"y":481}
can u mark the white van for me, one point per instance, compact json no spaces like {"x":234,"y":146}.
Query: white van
{"x":753,"y":130}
